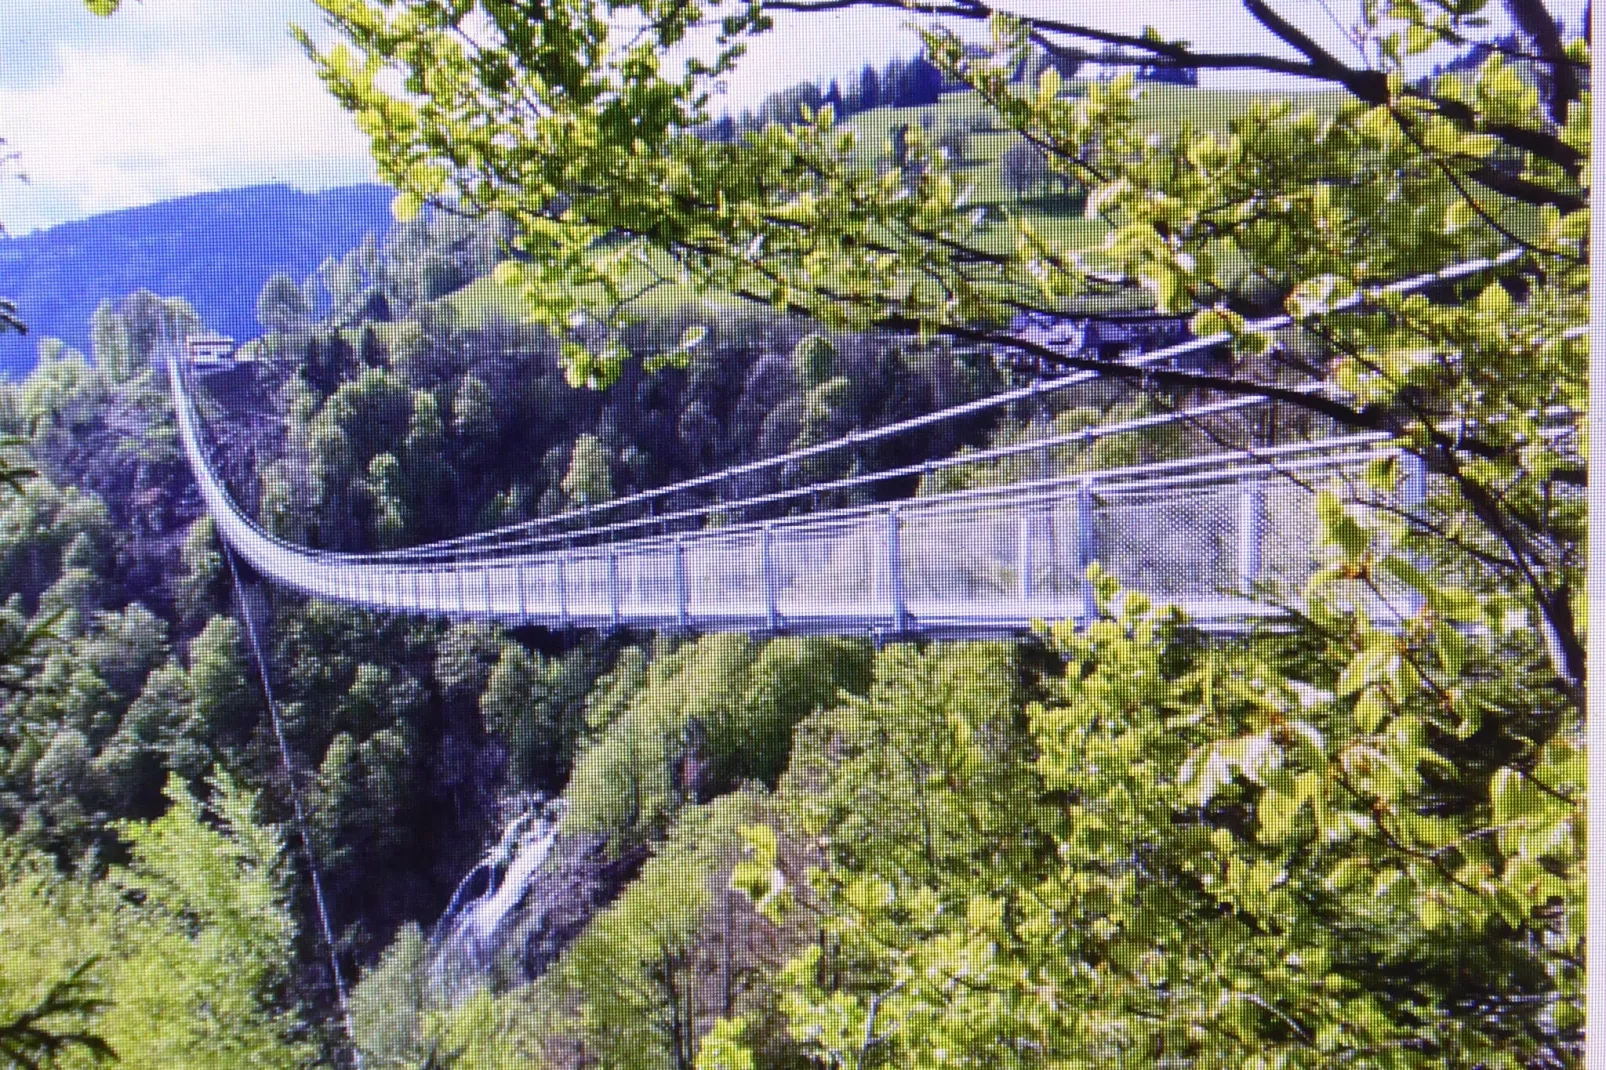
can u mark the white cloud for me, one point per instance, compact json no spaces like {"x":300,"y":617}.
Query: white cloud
{"x":114,"y":130}
{"x":818,"y":47}
{"x":169,"y":110}
{"x":170,"y":97}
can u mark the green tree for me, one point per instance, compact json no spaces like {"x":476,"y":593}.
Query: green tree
{"x":639,"y":986}
{"x":521,"y":704}
{"x":384,"y":485}
{"x":708,"y":717}
{"x":226,"y":701}
{"x":589,"y":479}
{"x":423,"y":457}
{"x":388,"y":1003}
{"x":194,"y":936}
{"x":202,"y":584}
{"x":473,"y":414}
{"x":157,"y":735}
{"x":1257,"y":853}
{"x":1393,"y":176}
{"x":283,"y":306}
{"x":826,"y":391}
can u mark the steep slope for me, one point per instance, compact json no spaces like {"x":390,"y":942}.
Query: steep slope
{"x":214,"y":249}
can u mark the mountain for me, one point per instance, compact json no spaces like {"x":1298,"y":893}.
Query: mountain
{"x":215,"y":249}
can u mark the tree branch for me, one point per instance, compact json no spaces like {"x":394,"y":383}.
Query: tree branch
{"x":1535,"y":23}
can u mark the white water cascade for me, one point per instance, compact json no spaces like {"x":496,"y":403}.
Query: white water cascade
{"x":470,"y":931}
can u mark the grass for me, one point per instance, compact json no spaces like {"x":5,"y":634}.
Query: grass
{"x":1162,"y":109}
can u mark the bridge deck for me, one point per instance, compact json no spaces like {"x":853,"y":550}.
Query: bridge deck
{"x":1196,"y":532}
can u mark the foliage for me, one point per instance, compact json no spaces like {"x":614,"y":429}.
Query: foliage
{"x":388,"y":1001}
{"x":282,"y":305}
{"x":588,"y":479}
{"x":28,"y":1041}
{"x":202,"y":589}
{"x":451,"y":426}
{"x":639,"y":986}
{"x":1214,"y":221}
{"x":709,"y":716}
{"x":1355,"y":839}
{"x":1286,"y":851}
{"x":194,"y":933}
{"x":538,"y":706}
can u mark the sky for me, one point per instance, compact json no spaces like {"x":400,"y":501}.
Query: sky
{"x":173,"y":97}
{"x":166,"y":98}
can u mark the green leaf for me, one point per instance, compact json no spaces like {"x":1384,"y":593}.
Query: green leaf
{"x":1048,"y":84}
{"x":1494,"y":301}
{"x":1419,"y":39}
{"x":1513,"y":798}
{"x":405,"y":207}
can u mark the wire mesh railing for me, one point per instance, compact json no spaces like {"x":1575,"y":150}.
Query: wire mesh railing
{"x":1202,"y":532}
{"x":1206,"y":532}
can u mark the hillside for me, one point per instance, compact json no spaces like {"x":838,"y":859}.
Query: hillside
{"x":213,"y":249}
{"x":979,"y":149}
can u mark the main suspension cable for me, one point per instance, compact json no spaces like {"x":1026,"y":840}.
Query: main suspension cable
{"x":586,"y":517}
{"x":296,"y":807}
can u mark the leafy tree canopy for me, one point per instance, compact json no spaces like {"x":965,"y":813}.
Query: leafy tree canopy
{"x":582,"y":135}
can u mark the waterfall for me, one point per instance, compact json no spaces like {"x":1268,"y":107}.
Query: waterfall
{"x":470,"y":932}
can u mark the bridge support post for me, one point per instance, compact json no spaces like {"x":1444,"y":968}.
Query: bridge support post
{"x":1251,"y":535}
{"x":563,"y":591}
{"x":767,"y":567}
{"x":1023,"y":557}
{"x":901,"y":621}
{"x":682,"y":587}
{"x":1087,"y":549}
{"x":518,"y":582}
{"x":1413,"y":493}
{"x":418,"y":594}
{"x":613,"y":588}
{"x":485,"y":576}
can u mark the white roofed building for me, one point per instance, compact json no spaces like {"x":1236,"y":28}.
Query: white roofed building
{"x":210,"y":350}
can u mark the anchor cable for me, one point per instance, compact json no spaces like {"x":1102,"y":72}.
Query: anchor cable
{"x":297,"y":809}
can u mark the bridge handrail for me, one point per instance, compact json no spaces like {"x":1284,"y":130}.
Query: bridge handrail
{"x":1231,"y":466}
{"x":1004,"y":398}
{"x":879,"y":592}
{"x":1264,"y":462}
{"x":1083,"y":436}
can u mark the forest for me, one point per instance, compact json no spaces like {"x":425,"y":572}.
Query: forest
{"x":293,"y":833}
{"x":217,"y":249}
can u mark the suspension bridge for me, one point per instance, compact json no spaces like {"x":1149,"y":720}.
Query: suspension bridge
{"x":1204,"y":532}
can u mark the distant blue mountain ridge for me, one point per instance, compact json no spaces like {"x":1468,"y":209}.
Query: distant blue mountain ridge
{"x":216,"y":250}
